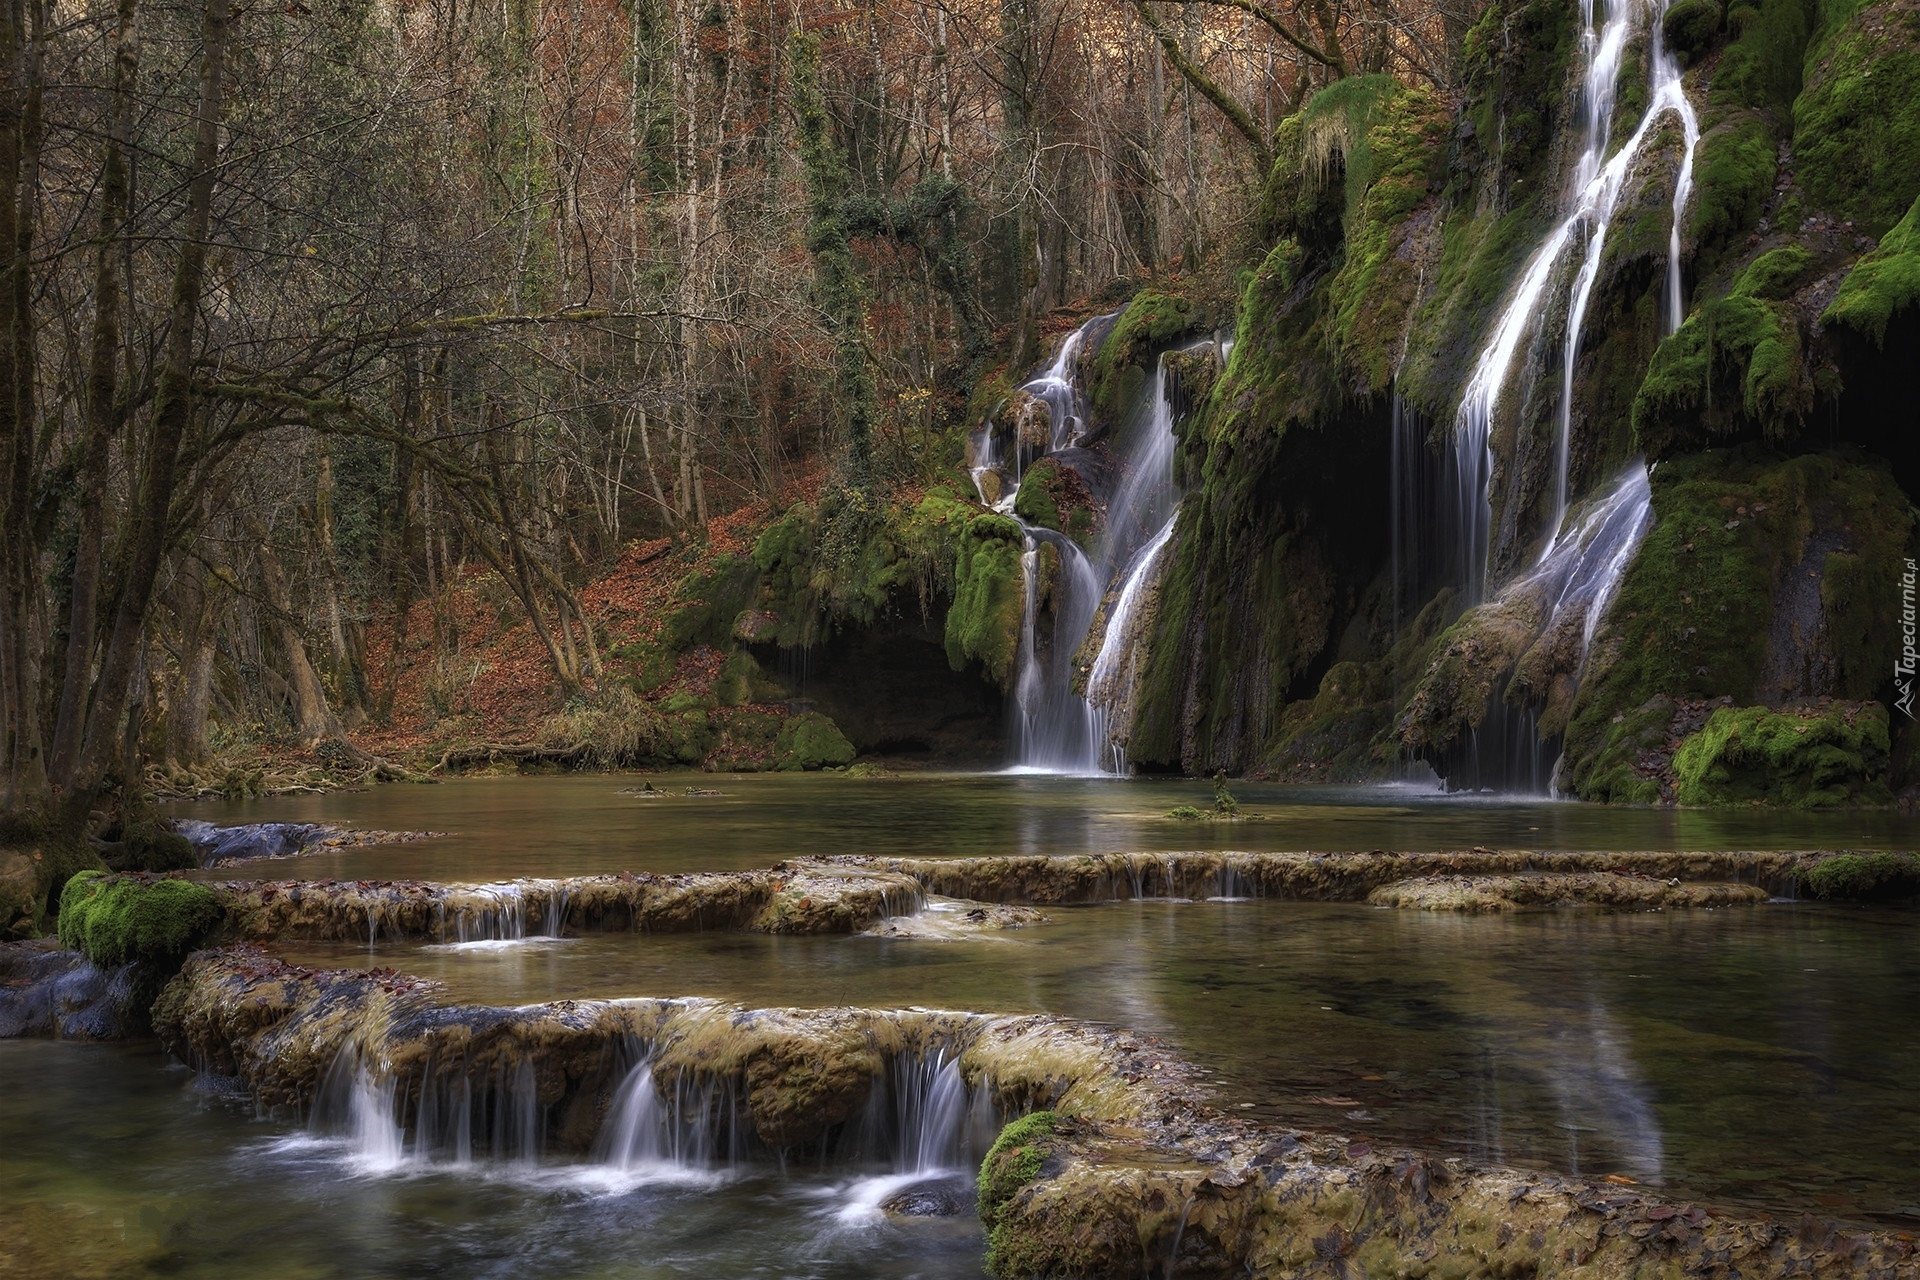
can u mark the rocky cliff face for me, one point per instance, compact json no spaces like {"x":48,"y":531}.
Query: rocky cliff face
{"x":1313,"y":620}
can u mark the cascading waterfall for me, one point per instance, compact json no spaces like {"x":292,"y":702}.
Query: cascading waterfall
{"x":1115,"y":673}
{"x":1585,"y":550}
{"x":1597,"y":184}
{"x":1058,"y":728}
{"x":506,"y":913}
{"x":448,"y":1119}
{"x":922,"y":1121}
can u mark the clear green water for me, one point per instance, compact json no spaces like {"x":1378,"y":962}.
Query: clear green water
{"x":1753,"y":1055}
{"x":579,"y":824}
{"x":1758,"y":1056}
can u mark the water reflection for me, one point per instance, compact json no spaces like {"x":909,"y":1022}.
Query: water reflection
{"x":1754,"y":1055}
{"x":580,"y":823}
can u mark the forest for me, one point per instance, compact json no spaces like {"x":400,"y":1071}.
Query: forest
{"x":913,"y":638}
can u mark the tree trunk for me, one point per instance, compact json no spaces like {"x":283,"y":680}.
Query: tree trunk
{"x":104,"y":411}
{"x":314,"y":720}
{"x":172,"y":409}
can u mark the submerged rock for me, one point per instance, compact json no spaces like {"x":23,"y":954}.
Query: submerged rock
{"x":950,"y":919}
{"x":1548,"y":889}
{"x":218,"y":845}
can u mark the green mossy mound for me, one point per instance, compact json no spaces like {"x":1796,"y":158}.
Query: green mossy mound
{"x":1053,"y":497}
{"x":1811,"y":759}
{"x":1015,"y":1161}
{"x":115,"y":920}
{"x":810,"y":741}
{"x":1865,"y":877}
{"x":1884,"y":284}
{"x":1690,"y":26}
{"x":1152,"y":321}
{"x":983,"y":624}
{"x":1736,"y":367}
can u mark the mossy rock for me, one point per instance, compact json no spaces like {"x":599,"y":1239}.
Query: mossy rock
{"x":1014,"y":1161}
{"x":1053,"y":496}
{"x":1736,"y":367}
{"x":1718,"y":600}
{"x":1865,"y":877}
{"x":811,"y":741}
{"x":1690,"y":26}
{"x":1811,"y":759}
{"x":115,"y":920}
{"x":709,"y":601}
{"x":38,"y":857}
{"x":1856,"y":123}
{"x":1614,"y":772}
{"x":1886,"y":283}
{"x":983,"y":623}
{"x":1152,"y":321}
{"x":146,"y":844}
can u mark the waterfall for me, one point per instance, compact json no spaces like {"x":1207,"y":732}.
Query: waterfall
{"x":1597,"y":184}
{"x":450,"y":1118}
{"x":1057,"y":727}
{"x":1115,"y":673}
{"x":1584,"y":548}
{"x":510,"y":912}
{"x":921,"y":1119}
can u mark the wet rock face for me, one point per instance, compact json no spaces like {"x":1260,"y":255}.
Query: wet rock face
{"x":217,"y":845}
{"x":45,"y":991}
{"x":942,"y":1199}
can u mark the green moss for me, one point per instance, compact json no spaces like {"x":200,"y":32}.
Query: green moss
{"x":114,"y":920}
{"x":1690,"y":26}
{"x":1865,"y":877}
{"x":1611,"y":774}
{"x":742,"y":681}
{"x":1807,"y":759}
{"x":1734,"y":172}
{"x":1013,"y":1162}
{"x":1694,"y":614}
{"x":1152,"y":320}
{"x":1734,"y":367}
{"x":846,"y":562}
{"x":708,"y":603}
{"x":1856,"y":126}
{"x":1885,"y":283}
{"x":1190,"y":813}
{"x":811,"y":741}
{"x":1774,"y":275}
{"x":983,"y":624}
{"x":1761,"y":68}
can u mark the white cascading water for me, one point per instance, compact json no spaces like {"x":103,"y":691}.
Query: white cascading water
{"x":1115,"y":674}
{"x":508,"y":913}
{"x":1058,"y":729}
{"x":1597,"y":185}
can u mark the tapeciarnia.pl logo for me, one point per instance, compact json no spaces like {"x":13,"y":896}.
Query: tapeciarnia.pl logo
{"x":1905,"y":665}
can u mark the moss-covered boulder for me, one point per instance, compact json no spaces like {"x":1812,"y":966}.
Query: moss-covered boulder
{"x":1814,"y":757}
{"x":983,"y":624}
{"x":810,"y":741}
{"x":1153,"y":320}
{"x":1885,"y":284}
{"x":1053,"y":496}
{"x":115,"y":920}
{"x":1865,"y":877}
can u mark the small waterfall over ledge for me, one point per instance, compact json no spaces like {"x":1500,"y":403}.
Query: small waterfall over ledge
{"x":1071,"y":712}
{"x":1583,"y":552}
{"x":923,"y":1127}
